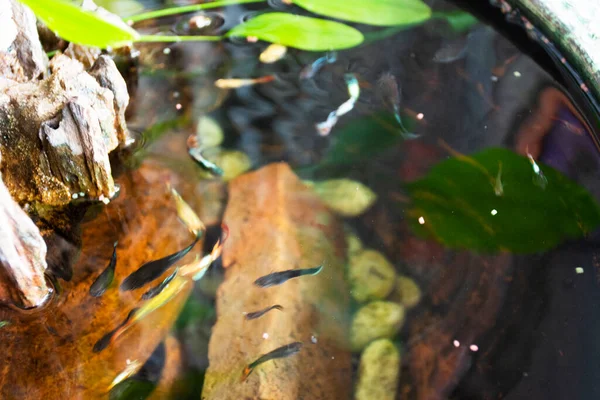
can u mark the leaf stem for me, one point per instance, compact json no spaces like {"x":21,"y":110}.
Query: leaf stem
{"x":185,"y":9}
{"x":175,"y":39}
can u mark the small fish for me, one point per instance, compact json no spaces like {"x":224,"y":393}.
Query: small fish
{"x":196,"y":154}
{"x":311,"y":70}
{"x":498,"y":187}
{"x":273,"y":53}
{"x":280,"y":352}
{"x":104,"y":280}
{"x":323,"y":128}
{"x":107,"y":339}
{"x":238,"y":83}
{"x":153,"y":269}
{"x":539,"y":178}
{"x":187,"y":215}
{"x":4,"y":323}
{"x":131,"y":369}
{"x":391,"y":96}
{"x":451,"y":51}
{"x":277,"y":278}
{"x":258,"y":314}
{"x":177,"y":284}
{"x":159,"y":288}
{"x":198,"y":268}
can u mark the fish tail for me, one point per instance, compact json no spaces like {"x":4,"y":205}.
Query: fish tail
{"x":246,"y":373}
{"x":265,"y":79}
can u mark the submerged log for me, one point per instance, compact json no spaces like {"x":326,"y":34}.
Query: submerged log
{"x":276,"y":224}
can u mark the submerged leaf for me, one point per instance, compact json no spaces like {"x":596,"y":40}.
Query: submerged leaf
{"x":457,"y":204}
{"x":72,"y":23}
{"x":459,"y":21}
{"x":372,"y":12}
{"x":303,"y":33}
{"x":344,"y":196}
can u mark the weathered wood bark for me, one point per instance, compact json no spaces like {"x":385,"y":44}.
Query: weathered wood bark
{"x":277,"y":223}
{"x":22,"y":256}
{"x":56,"y":133}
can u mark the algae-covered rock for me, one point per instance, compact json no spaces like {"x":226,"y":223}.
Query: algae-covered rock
{"x":378,"y":372}
{"x":407,"y":292}
{"x":209,"y":132}
{"x":353,"y":243}
{"x":379,"y":319}
{"x":371,"y":275}
{"x":346,"y":197}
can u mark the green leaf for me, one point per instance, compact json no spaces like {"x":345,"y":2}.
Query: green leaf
{"x":194,"y":311}
{"x":303,"y":33}
{"x":372,"y":12}
{"x":458,"y":203}
{"x":362,"y":139}
{"x":459,"y":21}
{"x":83,"y":27}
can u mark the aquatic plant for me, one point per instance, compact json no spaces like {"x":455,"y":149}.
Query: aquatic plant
{"x":307,"y":33}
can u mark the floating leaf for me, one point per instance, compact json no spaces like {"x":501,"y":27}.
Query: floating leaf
{"x":372,"y":12}
{"x":303,"y":33}
{"x":362,"y":139}
{"x":459,"y":205}
{"x":344,"y":196}
{"x":83,"y":27}
{"x":459,"y":21}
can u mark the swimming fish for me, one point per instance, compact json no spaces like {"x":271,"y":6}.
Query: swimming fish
{"x":198,"y":268}
{"x":4,"y":323}
{"x":104,"y":280}
{"x":153,"y":269}
{"x":323,"y":128}
{"x":539,"y":178}
{"x":273,"y":53}
{"x":196,"y":154}
{"x":498,"y":187}
{"x":260,"y":313}
{"x":159,"y":288}
{"x":177,"y":284}
{"x":452,"y":50}
{"x":130,"y":370}
{"x":187,"y":215}
{"x":311,"y":70}
{"x":238,"y":83}
{"x":107,"y":339}
{"x":277,"y":278}
{"x":391,"y":96}
{"x":280,"y":352}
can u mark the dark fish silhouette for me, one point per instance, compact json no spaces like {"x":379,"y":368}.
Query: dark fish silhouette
{"x":258,"y":314}
{"x":391,"y":96}
{"x":104,"y":280}
{"x":277,"y":278}
{"x":107,"y":339}
{"x":280,"y":352}
{"x":153,"y":269}
{"x":159,"y":288}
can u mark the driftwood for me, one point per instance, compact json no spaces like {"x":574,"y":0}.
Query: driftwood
{"x":278,"y":223}
{"x":58,"y":123}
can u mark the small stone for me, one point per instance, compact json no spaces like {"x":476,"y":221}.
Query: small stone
{"x":209,"y":133}
{"x":234,"y":163}
{"x":378,"y":372}
{"x":371,"y":275}
{"x":407,"y":292}
{"x":376,"y":320}
{"x":346,"y":197}
{"x":353,"y":243}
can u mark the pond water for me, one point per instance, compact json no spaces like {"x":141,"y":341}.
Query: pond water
{"x":477,"y":222}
